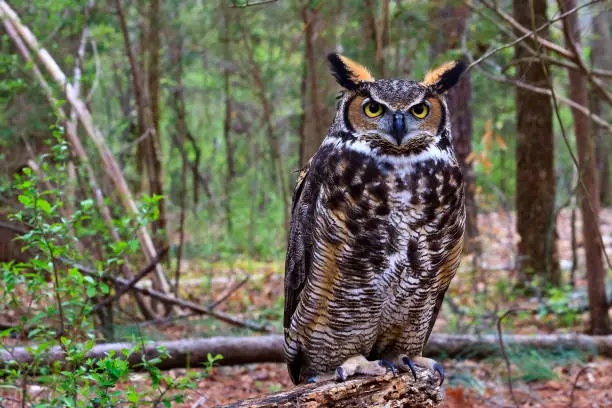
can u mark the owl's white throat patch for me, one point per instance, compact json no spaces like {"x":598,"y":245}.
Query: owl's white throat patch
{"x":405,"y":162}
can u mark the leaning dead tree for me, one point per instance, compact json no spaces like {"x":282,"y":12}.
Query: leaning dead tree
{"x":78,"y":151}
{"x":19,"y":33}
{"x":386,"y":391}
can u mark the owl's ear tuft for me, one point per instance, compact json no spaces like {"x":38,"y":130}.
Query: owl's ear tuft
{"x":347,"y":72}
{"x":445,"y":76}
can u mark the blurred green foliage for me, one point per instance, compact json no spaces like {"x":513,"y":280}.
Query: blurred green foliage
{"x":275,"y":33}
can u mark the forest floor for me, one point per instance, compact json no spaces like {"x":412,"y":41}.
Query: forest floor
{"x":479,"y":294}
{"x":469,"y":384}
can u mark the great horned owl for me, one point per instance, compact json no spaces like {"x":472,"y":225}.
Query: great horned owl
{"x":376,"y":229}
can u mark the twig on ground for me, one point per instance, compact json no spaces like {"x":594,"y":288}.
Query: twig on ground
{"x":580,"y":373}
{"x":229,"y":293}
{"x":169,"y":319}
{"x":163,"y":320}
{"x":171,"y":300}
{"x":227,"y":318}
{"x":247,"y":4}
{"x":503,"y":350}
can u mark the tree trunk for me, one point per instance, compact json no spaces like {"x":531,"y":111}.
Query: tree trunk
{"x":454,"y":18}
{"x":461,"y":122}
{"x":273,"y":138}
{"x":227,"y":123}
{"x":535,"y":173}
{"x":156,"y":182}
{"x":376,"y":392}
{"x":601,"y":57}
{"x":316,"y":83}
{"x":183,"y":134}
{"x":370,"y":34}
{"x":588,"y":188}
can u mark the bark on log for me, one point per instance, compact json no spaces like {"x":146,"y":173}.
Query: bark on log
{"x":183,"y":353}
{"x":269,"y":349}
{"x":385,"y":391}
{"x":484,"y":346}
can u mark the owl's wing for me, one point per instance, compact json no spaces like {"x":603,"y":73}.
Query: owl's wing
{"x":299,"y":249}
{"x":451,"y":264}
{"x":434,"y":316}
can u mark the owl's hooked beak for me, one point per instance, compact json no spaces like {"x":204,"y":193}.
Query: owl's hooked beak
{"x":398,"y":128}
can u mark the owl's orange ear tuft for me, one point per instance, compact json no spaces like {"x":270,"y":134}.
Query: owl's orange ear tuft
{"x":445,"y":76}
{"x":347,"y":72}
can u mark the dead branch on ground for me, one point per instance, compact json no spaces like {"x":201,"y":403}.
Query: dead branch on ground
{"x":174,"y":301}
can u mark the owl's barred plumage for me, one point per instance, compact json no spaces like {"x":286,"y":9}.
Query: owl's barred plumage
{"x":376,"y":230}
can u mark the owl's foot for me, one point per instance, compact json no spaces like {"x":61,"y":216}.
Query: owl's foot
{"x":319,"y":378}
{"x":406,"y":364}
{"x":359,"y":365}
{"x":389,"y":365}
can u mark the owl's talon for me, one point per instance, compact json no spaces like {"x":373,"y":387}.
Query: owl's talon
{"x":438,"y":368}
{"x":408,"y":362}
{"x":388,"y":364}
{"x":340,"y":374}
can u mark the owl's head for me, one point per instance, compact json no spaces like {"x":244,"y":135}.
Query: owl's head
{"x":396,"y":115}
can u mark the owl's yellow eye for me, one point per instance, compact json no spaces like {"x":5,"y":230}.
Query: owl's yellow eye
{"x":373,"y":109}
{"x":419,"y":111}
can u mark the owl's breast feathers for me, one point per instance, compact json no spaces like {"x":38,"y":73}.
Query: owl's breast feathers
{"x":373,"y":246}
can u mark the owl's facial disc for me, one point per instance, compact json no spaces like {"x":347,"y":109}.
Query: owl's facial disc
{"x":399,"y":124}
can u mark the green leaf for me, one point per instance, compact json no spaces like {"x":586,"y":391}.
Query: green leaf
{"x":91,"y":291}
{"x":104,"y":288}
{"x":25,"y":200}
{"x":132,"y":396}
{"x":43,"y":205}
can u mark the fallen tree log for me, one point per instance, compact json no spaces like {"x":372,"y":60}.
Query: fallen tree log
{"x":487,"y":345}
{"x":385,"y":391}
{"x":183,"y":353}
{"x":269,"y":349}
